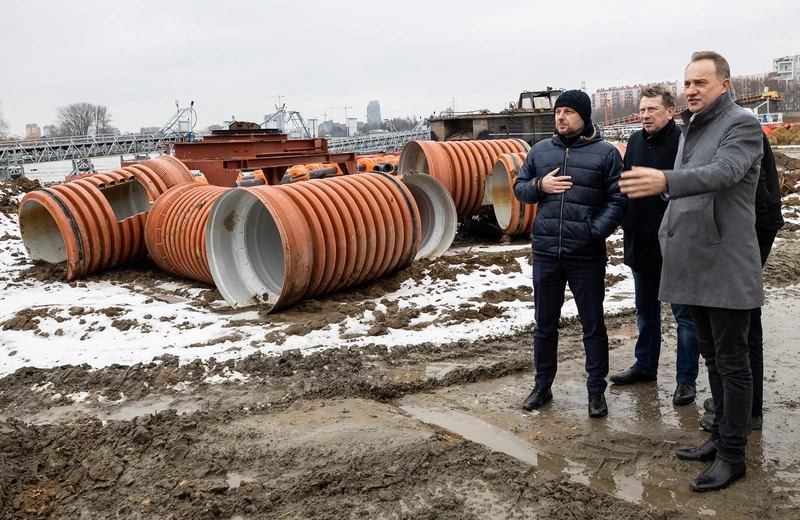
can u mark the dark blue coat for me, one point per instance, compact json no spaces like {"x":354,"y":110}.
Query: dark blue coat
{"x":643,"y":216}
{"x":576,"y":223}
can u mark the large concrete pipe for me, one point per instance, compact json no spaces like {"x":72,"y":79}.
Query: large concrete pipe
{"x":279,"y":244}
{"x":175,"y":232}
{"x":513,"y":217}
{"x":437,"y":214}
{"x":91,"y":224}
{"x":464,"y":167}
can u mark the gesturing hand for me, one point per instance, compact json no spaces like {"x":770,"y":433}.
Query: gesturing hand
{"x":552,"y":184}
{"x":642,"y":182}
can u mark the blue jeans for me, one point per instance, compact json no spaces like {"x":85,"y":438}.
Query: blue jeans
{"x":648,"y":321}
{"x":586,"y":280}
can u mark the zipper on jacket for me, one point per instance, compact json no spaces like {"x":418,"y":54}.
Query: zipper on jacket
{"x":561,"y":211}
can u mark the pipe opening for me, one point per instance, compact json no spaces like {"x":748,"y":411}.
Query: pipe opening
{"x":40,"y":233}
{"x":126,"y":199}
{"x":502,"y":194}
{"x":245,"y":250}
{"x":437,"y":213}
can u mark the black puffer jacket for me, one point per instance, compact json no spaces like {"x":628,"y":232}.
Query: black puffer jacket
{"x":576,"y":223}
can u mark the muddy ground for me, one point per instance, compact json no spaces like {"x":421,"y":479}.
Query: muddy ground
{"x":430,"y":431}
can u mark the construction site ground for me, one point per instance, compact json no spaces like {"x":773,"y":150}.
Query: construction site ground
{"x":432,"y":430}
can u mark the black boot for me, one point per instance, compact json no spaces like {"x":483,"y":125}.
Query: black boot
{"x":537,"y":398}
{"x":719,"y":475}
{"x":703,"y":453}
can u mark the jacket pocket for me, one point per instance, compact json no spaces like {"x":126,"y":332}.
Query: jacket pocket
{"x":709,"y":221}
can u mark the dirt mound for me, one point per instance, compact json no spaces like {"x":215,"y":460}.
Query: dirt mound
{"x":784,"y":161}
{"x":10,"y":191}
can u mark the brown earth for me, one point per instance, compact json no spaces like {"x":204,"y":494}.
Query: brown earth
{"x":320,"y":435}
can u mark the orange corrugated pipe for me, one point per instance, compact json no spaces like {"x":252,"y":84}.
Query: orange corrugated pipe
{"x":175,"y":232}
{"x":97,"y":222}
{"x":91,"y":224}
{"x":463,"y":167}
{"x":333,"y":233}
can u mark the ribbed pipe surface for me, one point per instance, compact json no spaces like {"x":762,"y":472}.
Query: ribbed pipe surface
{"x":333,"y":234}
{"x":464,"y":167}
{"x":513,"y":217}
{"x":176,"y":230}
{"x":160,"y":174}
{"x":96,"y":222}
{"x":91,"y":224}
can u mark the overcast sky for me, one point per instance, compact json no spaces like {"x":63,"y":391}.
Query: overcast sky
{"x":234,"y":58}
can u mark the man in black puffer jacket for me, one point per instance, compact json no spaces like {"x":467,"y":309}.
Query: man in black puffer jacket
{"x":573,"y":178}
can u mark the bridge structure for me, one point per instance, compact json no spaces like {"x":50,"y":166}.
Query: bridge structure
{"x":389,"y":142}
{"x":66,"y":148}
{"x":178,"y":128}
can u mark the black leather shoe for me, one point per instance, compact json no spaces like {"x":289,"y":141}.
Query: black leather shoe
{"x":706,"y":452}
{"x":707,"y":421}
{"x":685,"y":393}
{"x":597,"y":404}
{"x":538,"y":397}
{"x":719,"y":475}
{"x":708,"y":405}
{"x":630,"y":377}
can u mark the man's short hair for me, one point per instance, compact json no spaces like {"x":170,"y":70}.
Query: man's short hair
{"x":667,"y":99}
{"x":720,"y":63}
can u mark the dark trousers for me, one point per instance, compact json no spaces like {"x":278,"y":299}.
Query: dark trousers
{"x":586,"y":280}
{"x":722,"y":337}
{"x":755,"y":339}
{"x":648,"y":321}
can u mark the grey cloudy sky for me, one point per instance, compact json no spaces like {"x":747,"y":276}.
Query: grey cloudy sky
{"x":234,"y":58}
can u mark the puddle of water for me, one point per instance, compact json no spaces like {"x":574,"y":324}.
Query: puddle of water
{"x":126,"y":413}
{"x":75,"y":411}
{"x":417,"y":372}
{"x":235,"y":480}
{"x":478,"y":431}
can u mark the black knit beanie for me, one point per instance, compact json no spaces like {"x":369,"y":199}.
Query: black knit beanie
{"x":578,"y":101}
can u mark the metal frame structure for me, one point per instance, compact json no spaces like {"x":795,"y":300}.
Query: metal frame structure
{"x":380,"y":143}
{"x":65,"y":148}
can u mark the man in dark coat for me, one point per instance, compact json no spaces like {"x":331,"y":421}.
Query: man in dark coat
{"x":573,"y":177}
{"x":655,"y":146}
{"x":769,"y":220}
{"x":710,"y":251}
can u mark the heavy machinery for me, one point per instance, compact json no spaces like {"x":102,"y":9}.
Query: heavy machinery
{"x":530,"y":118}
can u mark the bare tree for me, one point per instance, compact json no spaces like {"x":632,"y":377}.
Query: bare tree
{"x":78,"y":118}
{"x":3,"y":125}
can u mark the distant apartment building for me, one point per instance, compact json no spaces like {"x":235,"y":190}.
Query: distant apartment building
{"x":149,"y":129}
{"x":374,"y":113}
{"x":787,"y":68}
{"x":626,"y":97}
{"x":32,"y":131}
{"x":49,"y":130}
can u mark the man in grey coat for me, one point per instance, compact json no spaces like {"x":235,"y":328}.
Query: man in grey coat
{"x":711,"y":256}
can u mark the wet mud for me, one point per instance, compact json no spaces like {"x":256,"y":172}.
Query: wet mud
{"x":420,"y":431}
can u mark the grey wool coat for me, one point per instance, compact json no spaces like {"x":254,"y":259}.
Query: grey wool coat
{"x":708,"y":235}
